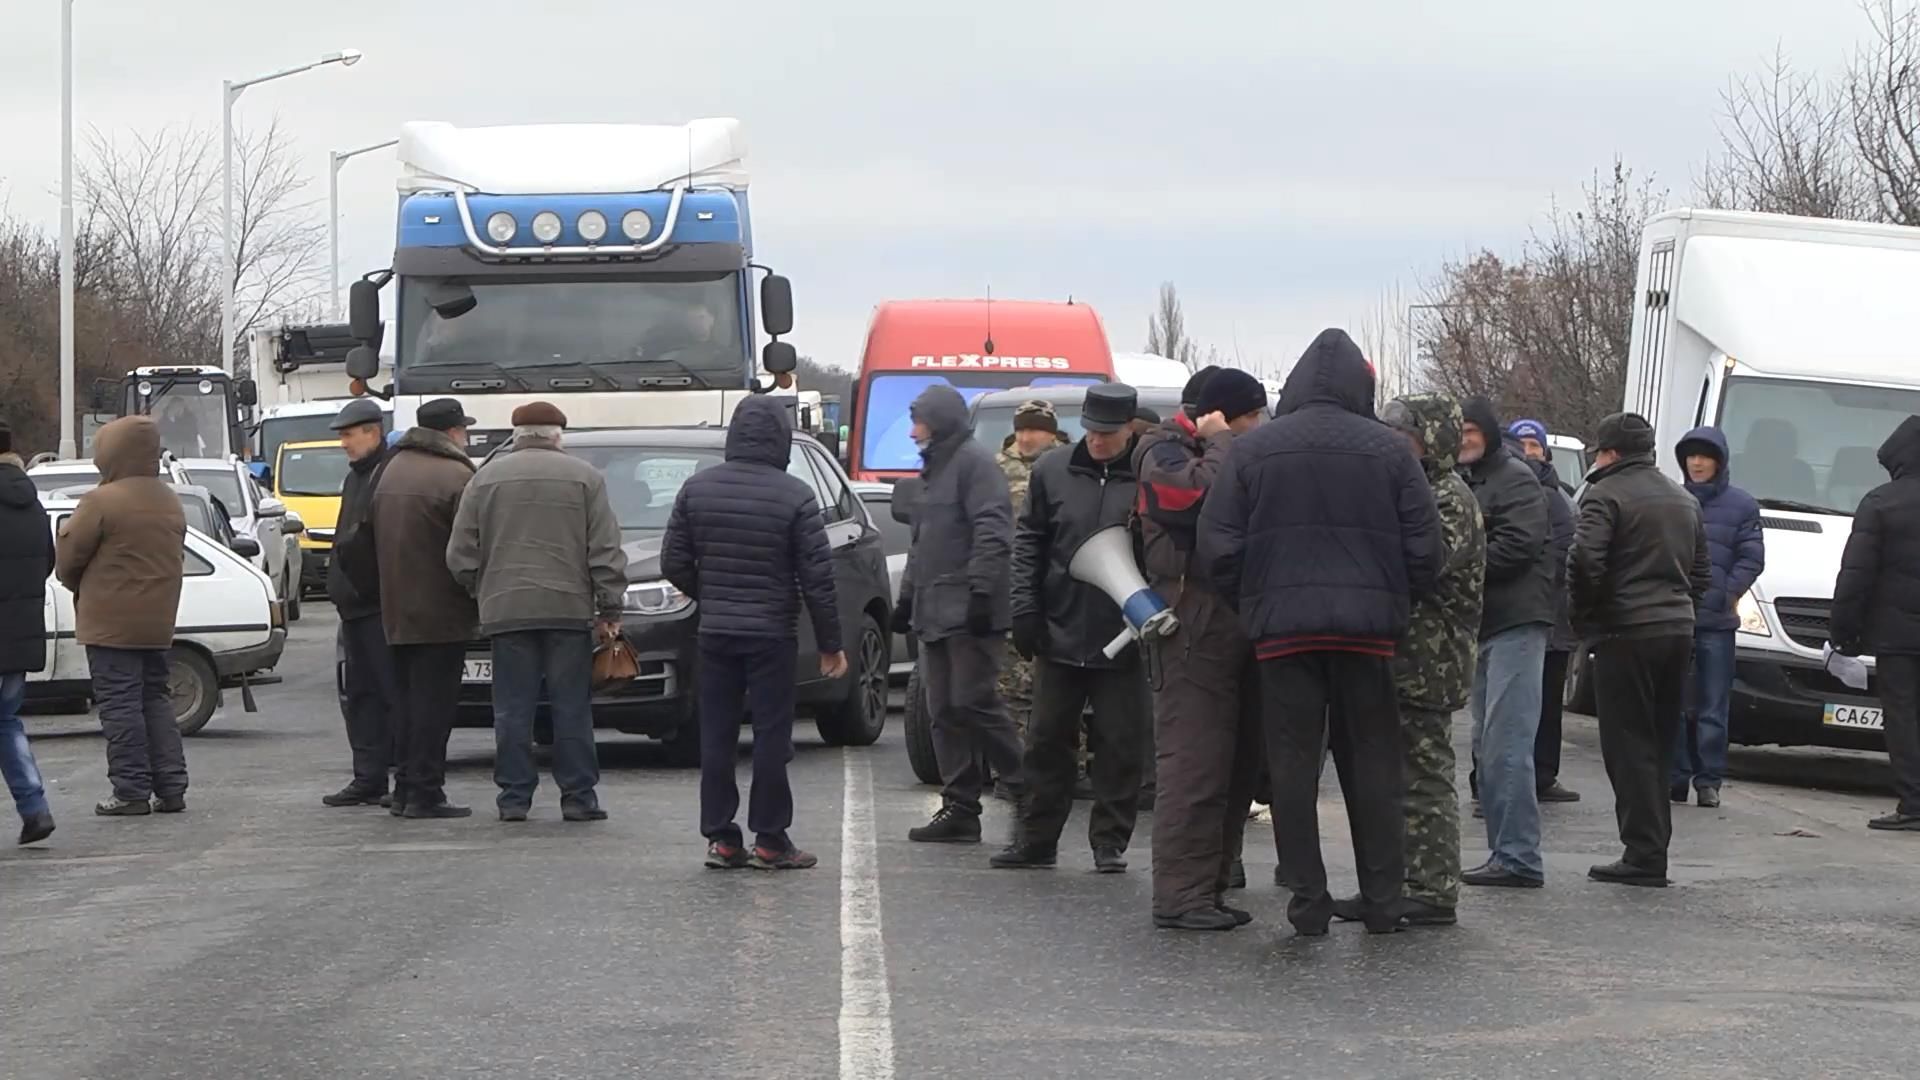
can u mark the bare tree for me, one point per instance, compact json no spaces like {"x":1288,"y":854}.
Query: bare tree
{"x":1787,"y":147}
{"x":1883,"y":88}
{"x":1167,"y":330}
{"x":1382,"y":335}
{"x":279,"y":241}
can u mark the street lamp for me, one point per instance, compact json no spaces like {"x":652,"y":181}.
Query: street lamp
{"x":230,"y":92}
{"x":68,"y":447}
{"x":335,"y":159}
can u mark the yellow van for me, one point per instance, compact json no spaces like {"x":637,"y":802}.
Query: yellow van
{"x":307,"y":476}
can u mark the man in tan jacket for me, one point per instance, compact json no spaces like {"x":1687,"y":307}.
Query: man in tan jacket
{"x":120,"y":555}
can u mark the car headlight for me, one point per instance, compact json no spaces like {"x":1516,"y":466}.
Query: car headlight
{"x":592,"y":226}
{"x":655,"y":598}
{"x":1752,"y":620}
{"x":546,"y":226}
{"x":501,"y":226}
{"x":635,"y":225}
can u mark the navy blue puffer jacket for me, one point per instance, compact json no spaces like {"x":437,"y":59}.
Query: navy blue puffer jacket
{"x":745,"y":539}
{"x":1734,"y":538}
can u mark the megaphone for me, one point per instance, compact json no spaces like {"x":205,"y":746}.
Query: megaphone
{"x":1105,"y":561}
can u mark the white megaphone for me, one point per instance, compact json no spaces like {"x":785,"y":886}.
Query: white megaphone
{"x":1105,"y":561}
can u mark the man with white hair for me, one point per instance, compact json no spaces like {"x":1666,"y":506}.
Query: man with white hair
{"x":537,"y":545}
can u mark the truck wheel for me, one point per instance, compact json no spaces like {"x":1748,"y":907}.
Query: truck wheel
{"x":919,"y":727}
{"x":193,"y":687}
{"x":1577,"y":696}
{"x":859,"y":719}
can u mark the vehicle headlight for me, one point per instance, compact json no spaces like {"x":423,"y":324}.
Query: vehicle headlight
{"x":546,"y":226}
{"x":635,"y":225}
{"x":1752,"y":621}
{"x":592,"y":226}
{"x":655,"y":598}
{"x":501,"y":226}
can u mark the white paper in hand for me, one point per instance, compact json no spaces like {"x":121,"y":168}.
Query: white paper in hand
{"x":1848,"y":669}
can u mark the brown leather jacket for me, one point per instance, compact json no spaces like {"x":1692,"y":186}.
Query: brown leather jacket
{"x":414,"y":503}
{"x":120,"y":552}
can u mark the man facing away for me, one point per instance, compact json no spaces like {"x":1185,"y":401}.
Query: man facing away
{"x":536,"y":545}
{"x":373,"y":704}
{"x":1206,"y":706}
{"x":120,"y":556}
{"x":1876,"y":610}
{"x":1063,"y":625}
{"x":428,"y":617}
{"x":954,"y":597}
{"x":1321,"y":528}
{"x":745,"y":540}
{"x":1638,"y":569}
{"x":26,"y":558}
{"x":1531,"y":435}
{"x":1516,"y":620}
{"x":1738,"y":547}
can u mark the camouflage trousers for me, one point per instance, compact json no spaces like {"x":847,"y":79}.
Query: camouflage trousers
{"x":1432,"y":807}
{"x":1016,"y":689}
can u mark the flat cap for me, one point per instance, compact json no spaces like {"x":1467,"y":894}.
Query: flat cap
{"x":539,"y":414}
{"x":442,"y":414}
{"x":356,"y":412}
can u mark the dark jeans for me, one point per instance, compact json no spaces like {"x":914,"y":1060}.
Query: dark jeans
{"x":144,"y":755}
{"x":428,"y":680}
{"x":1546,"y":741}
{"x":562,"y":661}
{"x":1700,"y":744}
{"x":1898,"y":678}
{"x":1346,"y":702}
{"x":1061,"y":693}
{"x":16,"y":757}
{"x":742,"y":677}
{"x":969,"y":721}
{"x":1638,"y":687}
{"x":373,"y":702}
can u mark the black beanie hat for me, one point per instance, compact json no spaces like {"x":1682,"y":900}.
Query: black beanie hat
{"x":1232,"y":394}
{"x":1190,"y":393}
{"x":1626,"y":433}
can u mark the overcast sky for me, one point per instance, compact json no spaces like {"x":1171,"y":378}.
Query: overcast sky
{"x":1284,"y":163}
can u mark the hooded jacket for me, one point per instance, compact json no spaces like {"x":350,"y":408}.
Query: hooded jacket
{"x":1876,"y":599}
{"x":26,"y":558}
{"x":962,"y":526}
{"x":1639,"y":562}
{"x":1434,"y":668}
{"x":1519,"y":524}
{"x":414,"y":503}
{"x":1321,"y":527}
{"x":356,"y":497}
{"x":1559,"y":539}
{"x":1070,"y":498}
{"x":1735,"y":542}
{"x":121,"y":551}
{"x":746,"y":539}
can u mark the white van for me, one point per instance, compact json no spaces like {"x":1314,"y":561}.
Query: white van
{"x":1800,"y":340}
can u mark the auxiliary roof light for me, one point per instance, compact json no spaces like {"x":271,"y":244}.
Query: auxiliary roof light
{"x":546,"y":226}
{"x":635,"y":225}
{"x":592,"y":226}
{"x":501,"y":226}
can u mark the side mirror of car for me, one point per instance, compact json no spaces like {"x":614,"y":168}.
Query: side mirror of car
{"x":906,"y":498}
{"x":830,"y":440}
{"x":292,"y":525}
{"x":271,"y":507}
{"x":246,"y":392}
{"x":245,"y":546}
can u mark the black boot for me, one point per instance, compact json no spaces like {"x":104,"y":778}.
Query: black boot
{"x":950,"y":825}
{"x":36,"y":827}
{"x":1109,"y":860}
{"x":1237,"y":875}
{"x":1198,"y":919}
{"x":1023,"y":856}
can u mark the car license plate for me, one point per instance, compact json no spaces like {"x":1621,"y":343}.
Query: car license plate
{"x":478,"y":671}
{"x":1852,"y":716}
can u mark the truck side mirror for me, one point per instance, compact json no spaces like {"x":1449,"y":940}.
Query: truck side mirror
{"x":906,"y":498}
{"x":363,"y":310}
{"x":246,"y":392}
{"x":362,"y":362}
{"x":778,"y":358}
{"x":830,"y":440}
{"x":776,"y":305}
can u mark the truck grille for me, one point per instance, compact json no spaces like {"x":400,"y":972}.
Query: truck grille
{"x":1805,"y":619}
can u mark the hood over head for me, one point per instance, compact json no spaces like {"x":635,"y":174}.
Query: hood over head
{"x":760,"y":431}
{"x":1711,"y":441}
{"x":127,"y":447}
{"x":15,"y":489}
{"x":1900,"y":454}
{"x":1436,"y":419}
{"x":1479,"y":412}
{"x":1331,"y":372}
{"x":942,"y":409}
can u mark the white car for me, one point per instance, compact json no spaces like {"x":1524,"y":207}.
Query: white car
{"x":71,"y":475}
{"x":255,"y":513}
{"x":230,"y":625}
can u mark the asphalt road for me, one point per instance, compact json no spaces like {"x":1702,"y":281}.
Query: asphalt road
{"x":260,"y":935}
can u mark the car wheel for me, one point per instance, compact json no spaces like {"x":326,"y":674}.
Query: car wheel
{"x":1577,"y":695}
{"x":919,"y":727}
{"x":683,"y":746}
{"x":859,"y":719}
{"x":193,"y":687}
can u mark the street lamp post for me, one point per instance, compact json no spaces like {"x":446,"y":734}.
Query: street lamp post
{"x":230,"y":92}
{"x":68,"y":447}
{"x":335,"y":159}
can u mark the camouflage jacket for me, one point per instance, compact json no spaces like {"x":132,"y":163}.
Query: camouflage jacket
{"x":1019,"y":470}
{"x":1435,"y":666}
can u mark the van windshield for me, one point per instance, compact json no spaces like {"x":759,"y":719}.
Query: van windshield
{"x":886,"y":440}
{"x":1810,"y":446}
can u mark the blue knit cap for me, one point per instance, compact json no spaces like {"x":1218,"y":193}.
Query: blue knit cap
{"x":1528,"y":429}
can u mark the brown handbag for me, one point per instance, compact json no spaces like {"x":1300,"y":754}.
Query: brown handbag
{"x":614,"y":663}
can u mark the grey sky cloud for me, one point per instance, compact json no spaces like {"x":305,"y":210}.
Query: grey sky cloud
{"x":1283,"y":162}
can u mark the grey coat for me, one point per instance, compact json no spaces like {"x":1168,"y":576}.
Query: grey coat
{"x":536,"y":542}
{"x":963,"y":527}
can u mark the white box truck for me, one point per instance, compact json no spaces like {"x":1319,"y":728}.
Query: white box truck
{"x":1800,"y":339}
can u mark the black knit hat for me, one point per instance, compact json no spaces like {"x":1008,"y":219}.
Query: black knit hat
{"x":1626,"y":433}
{"x":1190,"y":393}
{"x":1232,"y":394}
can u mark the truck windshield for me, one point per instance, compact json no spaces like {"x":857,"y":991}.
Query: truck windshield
{"x":600,"y":334}
{"x":1807,"y":445}
{"x":312,"y":470}
{"x":886,"y":438}
{"x":192,"y":420}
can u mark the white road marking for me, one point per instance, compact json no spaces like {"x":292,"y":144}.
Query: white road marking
{"x":866,"y":1005}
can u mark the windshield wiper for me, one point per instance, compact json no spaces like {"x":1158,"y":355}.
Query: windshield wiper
{"x":1801,"y":507}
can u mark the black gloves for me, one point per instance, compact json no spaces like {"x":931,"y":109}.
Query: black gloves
{"x":979,"y":614}
{"x":1029,"y":634}
{"x":902,"y":616}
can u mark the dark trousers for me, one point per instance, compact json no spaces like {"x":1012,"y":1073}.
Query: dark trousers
{"x":969,"y":721}
{"x":743,"y":677}
{"x":428,"y":680}
{"x":561,"y":661}
{"x":1206,"y":722}
{"x":144,"y":754}
{"x":373,"y":702}
{"x":1346,"y":702}
{"x":1546,"y":741}
{"x":1639,"y":684}
{"x":1898,"y":678}
{"x":1061,"y":693}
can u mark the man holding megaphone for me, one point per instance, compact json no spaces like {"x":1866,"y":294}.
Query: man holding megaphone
{"x":1067,"y":625}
